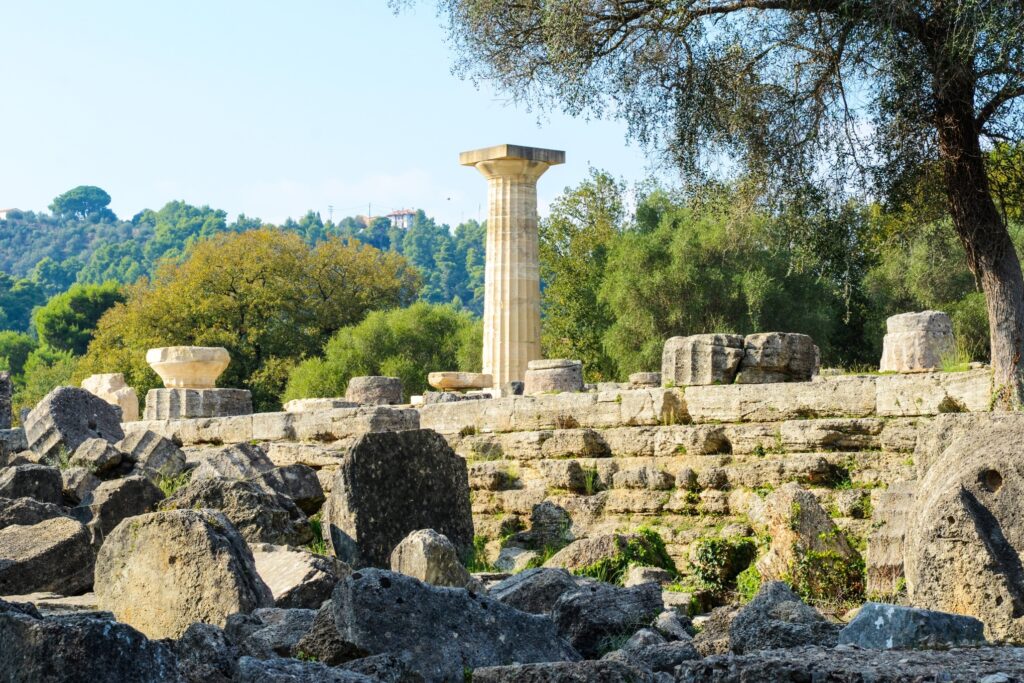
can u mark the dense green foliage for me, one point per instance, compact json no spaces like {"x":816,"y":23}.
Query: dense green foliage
{"x":644,"y":548}
{"x":68,"y":321}
{"x":405,"y":343}
{"x":718,"y":561}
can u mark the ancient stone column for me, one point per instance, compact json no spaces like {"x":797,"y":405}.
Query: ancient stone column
{"x":512,"y":268}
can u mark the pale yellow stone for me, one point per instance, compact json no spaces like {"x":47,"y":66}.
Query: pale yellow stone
{"x":512,"y":267}
{"x":112,"y":388}
{"x":188,"y":367}
{"x":460,"y":380}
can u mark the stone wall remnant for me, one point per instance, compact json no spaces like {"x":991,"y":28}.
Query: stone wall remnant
{"x":916,"y":342}
{"x":770,"y":357}
{"x":374,"y":391}
{"x":701,"y":359}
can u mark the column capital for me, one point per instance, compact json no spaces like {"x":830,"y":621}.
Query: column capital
{"x":551,"y":157}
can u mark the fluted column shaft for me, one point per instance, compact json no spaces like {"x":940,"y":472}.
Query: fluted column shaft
{"x":512,"y":269}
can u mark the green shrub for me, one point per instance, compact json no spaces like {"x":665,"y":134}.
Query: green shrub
{"x":717,"y":561}
{"x":827,"y":578}
{"x":645,"y":549}
{"x":748,"y":582}
{"x":318,"y":545}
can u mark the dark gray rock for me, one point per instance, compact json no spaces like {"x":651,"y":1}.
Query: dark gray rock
{"x":54,"y":555}
{"x":374,"y":390}
{"x":323,"y":643}
{"x":656,"y":656}
{"x":432,"y":397}
{"x":99,"y":456}
{"x":297,"y":577}
{"x":673,"y":625}
{"x":205,"y":655}
{"x":259,"y":516}
{"x":152,"y":454}
{"x":66,"y":417}
{"x":564,"y":672}
{"x":251,"y":670}
{"x":894,"y":627}
{"x":390,"y":484}
{"x":846,"y":664}
{"x":32,"y":481}
{"x":114,"y":501}
{"x":237,"y":461}
{"x":78,"y":482}
{"x":439,"y":631}
{"x":383,"y":668}
{"x":27,"y":511}
{"x":594,"y":617}
{"x":269,"y":632}
{"x":775,"y":618}
{"x":79,"y":650}
{"x":535,"y":590}
{"x":298,"y":482}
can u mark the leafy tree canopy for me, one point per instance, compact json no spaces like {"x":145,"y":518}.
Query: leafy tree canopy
{"x":83,"y":202}
{"x":68,"y":321}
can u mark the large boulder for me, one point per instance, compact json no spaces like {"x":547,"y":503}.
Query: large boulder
{"x":164,"y":571}
{"x":965,"y":531}
{"x":297,"y":577}
{"x":430,"y":557}
{"x":66,"y":417}
{"x":113,"y":501}
{"x":775,"y":618}
{"x":777,"y":357}
{"x":390,"y":484}
{"x":54,"y":555}
{"x":27,"y":511}
{"x":99,"y":456}
{"x":323,"y":643}
{"x":594,"y":616}
{"x":701,"y":359}
{"x":78,"y":482}
{"x":260,"y":516}
{"x":205,"y":655}
{"x":535,"y":590}
{"x":32,"y":481}
{"x":79,"y":649}
{"x":297,"y":481}
{"x":154,"y":456}
{"x":439,"y":632}
{"x":916,"y":341}
{"x":237,"y":461}
{"x":374,"y":390}
{"x":887,"y":627}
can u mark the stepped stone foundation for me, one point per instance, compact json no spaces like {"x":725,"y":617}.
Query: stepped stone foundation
{"x":172,"y":404}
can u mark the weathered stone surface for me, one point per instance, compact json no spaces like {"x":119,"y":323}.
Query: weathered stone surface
{"x":6,"y":393}
{"x":513,"y":559}
{"x":112,"y":388}
{"x":27,"y":511}
{"x":916,"y":341}
{"x":383,"y":668}
{"x":649,"y":478}
{"x":154,"y":455}
{"x":66,"y":417}
{"x":535,"y":590}
{"x":832,"y":397}
{"x":380,"y":391}
{"x":965,"y":532}
{"x":645,"y":380}
{"x":884,"y":558}
{"x":260,"y":516}
{"x":31,"y":481}
{"x":460,"y":380}
{"x":673,"y":626}
{"x":391,"y":484}
{"x":638,"y":575}
{"x":205,"y":655}
{"x":346,"y":423}
{"x":296,"y":577}
{"x":303,"y":405}
{"x":701,"y":359}
{"x":99,"y":456}
{"x":252,"y":670}
{"x":239,"y":461}
{"x":440,"y":631}
{"x":586,"y":551}
{"x":658,"y":657}
{"x":845,"y":664}
{"x":176,"y":404}
{"x":78,"y":482}
{"x":188,"y":367}
{"x":298,"y":482}
{"x":595,"y":613}
{"x":164,"y":571}
{"x":323,"y":643}
{"x":269,"y":632}
{"x":888,"y":627}
{"x":934,"y":393}
{"x":770,"y":357}
{"x":797,"y":525}
{"x":106,"y":506}
{"x":67,"y":650}
{"x":575,"y":443}
{"x":563,"y":672}
{"x":52,"y":555}
{"x":430,"y":557}
{"x":553,"y":376}
{"x":12,"y":441}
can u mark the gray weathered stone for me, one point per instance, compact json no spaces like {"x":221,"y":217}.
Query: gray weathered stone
{"x":6,"y":392}
{"x":27,"y":511}
{"x":179,"y":404}
{"x":848,"y":396}
{"x":154,"y":455}
{"x":563,"y":672}
{"x":32,"y":481}
{"x":258,"y":515}
{"x":391,"y":484}
{"x":205,"y":655}
{"x":66,"y":417}
{"x":586,"y":551}
{"x":297,"y":577}
{"x":252,"y":670}
{"x":553,"y":376}
{"x":638,"y":575}
{"x":645,"y":380}
{"x":269,"y":632}
{"x":298,"y":482}
{"x":663,"y":656}
{"x":78,"y":482}
{"x":888,"y":627}
{"x":106,"y":506}
{"x":374,"y":390}
{"x":99,"y":456}
{"x":439,"y":632}
{"x":916,"y":341}
{"x":771,"y":357}
{"x":430,"y":557}
{"x":643,"y":478}
{"x":238,"y":461}
{"x":535,"y":590}
{"x":701,"y":359}
{"x":52,"y":555}
{"x":164,"y":571}
{"x":595,"y":613}
{"x":323,"y":643}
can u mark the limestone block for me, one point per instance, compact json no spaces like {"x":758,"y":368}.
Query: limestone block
{"x":430,"y":557}
{"x":284,"y":453}
{"x":113,"y":389}
{"x":296,"y":577}
{"x":807,"y":469}
{"x":834,"y":397}
{"x":771,"y":357}
{"x":182,"y":403}
{"x":837,"y":434}
{"x":666,"y":441}
{"x":66,"y":417}
{"x":916,"y":341}
{"x":575,"y":443}
{"x":550,"y":376}
{"x":701,"y":359}
{"x":934,"y":392}
{"x":188,"y":367}
{"x":346,"y":422}
{"x":51,"y":555}
{"x":884,"y":559}
{"x":374,"y":390}
{"x":273,"y":426}
{"x":460,"y":381}
{"x":6,"y":392}
{"x":645,"y":380}
{"x":300,"y":405}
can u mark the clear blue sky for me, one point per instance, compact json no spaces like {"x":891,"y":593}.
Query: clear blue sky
{"x":266,"y":108}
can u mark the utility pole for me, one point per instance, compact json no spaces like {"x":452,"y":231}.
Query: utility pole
{"x":330,"y":213}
